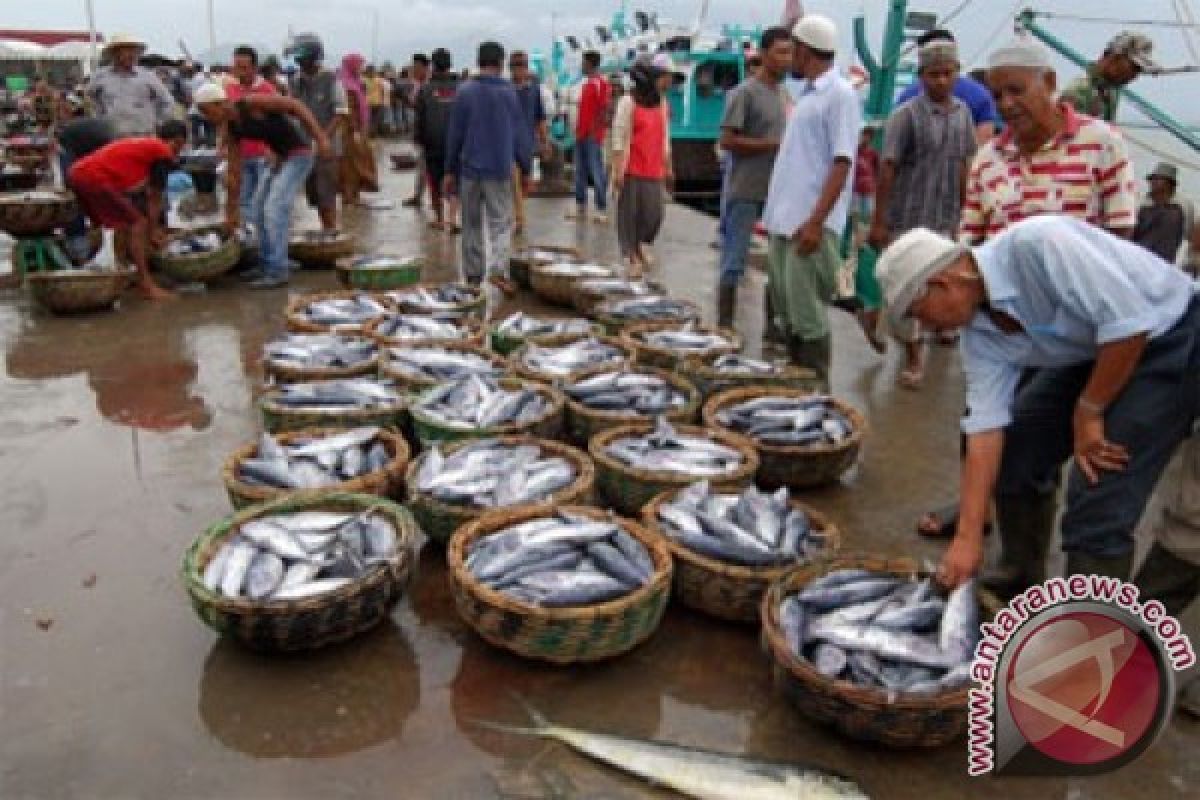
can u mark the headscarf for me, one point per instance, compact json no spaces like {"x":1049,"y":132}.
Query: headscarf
{"x":351,"y":79}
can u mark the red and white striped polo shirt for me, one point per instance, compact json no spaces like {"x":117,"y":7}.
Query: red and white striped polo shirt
{"x":1084,"y":172}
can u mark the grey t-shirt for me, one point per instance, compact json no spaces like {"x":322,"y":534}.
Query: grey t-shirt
{"x":756,"y":110}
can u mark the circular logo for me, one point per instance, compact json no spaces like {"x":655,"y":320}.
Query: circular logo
{"x":1087,"y":688}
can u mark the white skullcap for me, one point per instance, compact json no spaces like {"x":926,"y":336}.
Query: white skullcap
{"x":208,"y":93}
{"x":907,"y":265}
{"x":1021,"y":52}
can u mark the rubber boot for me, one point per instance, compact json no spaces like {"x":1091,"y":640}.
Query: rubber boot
{"x":814,"y":354}
{"x":726,"y":303}
{"x":1026,"y":524}
{"x":1119,"y":567}
{"x":1168,"y":579}
{"x":771,"y":331}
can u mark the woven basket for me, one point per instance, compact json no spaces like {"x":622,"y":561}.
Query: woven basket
{"x":77,"y":291}
{"x":584,"y":422}
{"x":474,"y":337}
{"x":282,"y":419}
{"x":529,"y":373}
{"x":586,"y":300}
{"x":430,"y":431}
{"x":414,"y":383}
{"x":198,"y":267}
{"x":439,"y":520}
{"x":406,"y":272}
{"x":21,"y":215}
{"x":521,"y":262}
{"x":280,"y":373}
{"x":298,"y":323}
{"x":793,"y":466}
{"x":475,"y":308}
{"x":728,"y":591}
{"x":558,"y":635}
{"x":316,"y":254}
{"x":711,"y":381}
{"x":506,"y":344}
{"x":308,"y":623}
{"x":628,"y":489}
{"x":558,"y":289}
{"x":652,"y":356}
{"x":614,"y":325}
{"x":387,"y":482}
{"x":856,"y":711}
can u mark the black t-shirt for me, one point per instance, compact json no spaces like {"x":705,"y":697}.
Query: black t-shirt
{"x":84,"y":136}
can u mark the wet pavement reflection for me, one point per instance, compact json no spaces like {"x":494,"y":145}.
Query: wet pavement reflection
{"x":113,"y":428}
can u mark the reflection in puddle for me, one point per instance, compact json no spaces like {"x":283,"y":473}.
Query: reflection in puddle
{"x":311,"y":705}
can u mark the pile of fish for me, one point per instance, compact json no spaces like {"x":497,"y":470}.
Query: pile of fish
{"x":340,"y":395}
{"x":737,"y":364}
{"x":430,"y":363}
{"x":561,"y":560}
{"x":479,"y":403}
{"x":642,"y":393}
{"x":319,"y":350}
{"x":753,"y":529}
{"x":415,"y":327}
{"x":358,"y":309}
{"x":537,"y":254}
{"x":788,"y":421}
{"x":577,"y":270}
{"x":645,"y":308}
{"x":617,"y":287}
{"x":293,"y":556}
{"x":686,"y":340}
{"x":314,"y":463}
{"x":429,"y":299}
{"x":489,"y":474}
{"x":247,"y":235}
{"x":30,"y":198}
{"x":665,"y":449}
{"x":559,"y":361}
{"x":321,"y":236}
{"x":193,"y":243}
{"x":522,"y":325}
{"x":382,"y":262}
{"x":878,"y":630}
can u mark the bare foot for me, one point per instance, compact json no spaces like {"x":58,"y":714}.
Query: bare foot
{"x":911,"y":378}
{"x":152,"y":291}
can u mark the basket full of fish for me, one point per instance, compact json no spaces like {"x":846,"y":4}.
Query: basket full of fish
{"x":203,"y":254}
{"x":451,"y":485}
{"x":334,"y":312}
{"x":521,"y":328}
{"x":380,"y":272}
{"x":366,"y":460}
{"x":592,"y":292}
{"x":869,"y":646}
{"x":345,"y":403}
{"x":478,"y":407}
{"x":524,"y":259}
{"x":729,"y":547}
{"x":715,"y":374}
{"x":666,"y":344}
{"x":298,"y":357}
{"x":441,"y":298}
{"x":303,"y":571}
{"x":555,"y":283}
{"x":618,"y":313}
{"x":803,"y":439}
{"x":407,"y":329}
{"x":320,"y":249}
{"x":421,"y":366}
{"x":599,"y":401}
{"x":570,"y":358}
{"x":635,"y":463}
{"x":570,"y":585}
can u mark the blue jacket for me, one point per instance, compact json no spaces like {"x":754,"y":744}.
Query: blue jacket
{"x":486,"y":133}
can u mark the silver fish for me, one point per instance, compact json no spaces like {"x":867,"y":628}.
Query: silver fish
{"x":236,"y":564}
{"x":667,"y":450}
{"x":735,"y":363}
{"x":308,"y":351}
{"x":439,"y":364}
{"x":264,"y":575}
{"x":355,"y":310}
{"x":475,"y":402}
{"x":788,"y":421}
{"x":525,"y":325}
{"x":310,"y":589}
{"x":561,"y":360}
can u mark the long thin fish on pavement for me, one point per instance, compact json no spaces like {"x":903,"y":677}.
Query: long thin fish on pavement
{"x":696,"y":773}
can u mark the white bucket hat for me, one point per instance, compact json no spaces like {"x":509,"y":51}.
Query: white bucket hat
{"x":208,"y":93}
{"x":124,"y":40}
{"x":907,"y":265}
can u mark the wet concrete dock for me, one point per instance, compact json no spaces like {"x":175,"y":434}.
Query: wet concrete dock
{"x":112,"y":430}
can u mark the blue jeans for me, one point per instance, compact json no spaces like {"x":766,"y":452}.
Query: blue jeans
{"x":254,"y":171}
{"x":76,"y":230}
{"x":273,"y":211}
{"x":724,"y":161}
{"x":589,"y":163}
{"x":738,"y":222}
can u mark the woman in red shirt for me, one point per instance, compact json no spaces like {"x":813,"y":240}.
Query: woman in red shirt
{"x":641,"y":161}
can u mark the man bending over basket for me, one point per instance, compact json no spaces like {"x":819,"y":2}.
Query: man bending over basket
{"x":120,"y":187}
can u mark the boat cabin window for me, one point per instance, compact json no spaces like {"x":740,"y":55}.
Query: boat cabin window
{"x":716,"y":76}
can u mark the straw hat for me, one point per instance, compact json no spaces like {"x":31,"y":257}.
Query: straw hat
{"x":124,"y":40}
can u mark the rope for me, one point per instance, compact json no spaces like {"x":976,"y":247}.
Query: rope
{"x":989,"y":41}
{"x":1163,"y":154}
{"x":1183,"y":12}
{"x":1161,"y":23}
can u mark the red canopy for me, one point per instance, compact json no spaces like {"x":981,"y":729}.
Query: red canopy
{"x":48,"y":38}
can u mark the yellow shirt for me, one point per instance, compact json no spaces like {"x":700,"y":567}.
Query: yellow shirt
{"x":375,"y":91}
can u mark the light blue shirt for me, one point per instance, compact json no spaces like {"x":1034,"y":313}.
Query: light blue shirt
{"x":824,"y":125}
{"x":1073,"y":287}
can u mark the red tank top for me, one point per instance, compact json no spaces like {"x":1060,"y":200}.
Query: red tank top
{"x":647,"y":143}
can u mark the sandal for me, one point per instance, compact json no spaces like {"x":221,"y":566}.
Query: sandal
{"x":947,"y":338}
{"x":911,"y":379}
{"x":503,"y":284}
